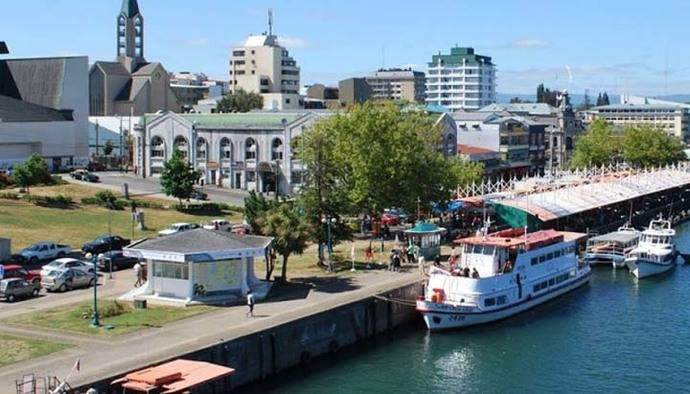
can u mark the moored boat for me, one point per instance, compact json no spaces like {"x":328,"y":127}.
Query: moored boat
{"x":612,"y":248}
{"x":501,"y":274}
{"x":656,"y":252}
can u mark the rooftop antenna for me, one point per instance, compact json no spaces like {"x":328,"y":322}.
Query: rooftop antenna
{"x":270,"y":22}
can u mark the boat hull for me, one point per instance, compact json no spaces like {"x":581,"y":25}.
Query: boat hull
{"x":439,"y":317}
{"x":605,"y":259}
{"x":643,"y":268}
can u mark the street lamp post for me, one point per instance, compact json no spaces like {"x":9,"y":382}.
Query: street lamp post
{"x":328,"y":221}
{"x":277,"y":180}
{"x":94,"y":318}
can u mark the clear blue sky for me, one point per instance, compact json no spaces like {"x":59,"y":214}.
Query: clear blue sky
{"x":631,"y":46}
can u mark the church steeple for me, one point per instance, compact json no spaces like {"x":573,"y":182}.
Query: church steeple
{"x":130,"y":34}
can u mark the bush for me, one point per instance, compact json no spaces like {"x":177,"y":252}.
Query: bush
{"x":56,"y":180}
{"x":106,"y":197}
{"x":9,"y":196}
{"x":5,"y":181}
{"x":144,"y":204}
{"x":59,"y":200}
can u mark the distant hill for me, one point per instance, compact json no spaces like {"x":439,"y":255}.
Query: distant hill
{"x":575,"y":99}
{"x":680,"y":98}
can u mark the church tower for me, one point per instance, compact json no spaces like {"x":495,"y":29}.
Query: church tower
{"x":130,"y":35}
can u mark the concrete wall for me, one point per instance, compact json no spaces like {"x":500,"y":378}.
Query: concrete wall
{"x":265,"y":353}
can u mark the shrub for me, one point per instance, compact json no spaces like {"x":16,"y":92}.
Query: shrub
{"x":9,"y":196}
{"x":59,"y":200}
{"x":106,"y":197}
{"x":5,"y":181}
{"x":57,"y":180}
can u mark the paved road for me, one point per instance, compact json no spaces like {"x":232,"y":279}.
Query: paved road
{"x":102,"y":358}
{"x":150,"y":186}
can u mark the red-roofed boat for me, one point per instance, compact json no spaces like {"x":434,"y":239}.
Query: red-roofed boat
{"x":501,"y":274}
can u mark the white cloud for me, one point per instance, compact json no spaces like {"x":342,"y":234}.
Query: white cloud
{"x":197,"y":42}
{"x":292,"y":42}
{"x":529,"y":43}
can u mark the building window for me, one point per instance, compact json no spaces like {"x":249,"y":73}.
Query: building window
{"x":250,"y":149}
{"x":251,"y":176}
{"x":225,"y":149}
{"x":170,"y":270}
{"x":201,"y":146}
{"x":277,"y":149}
{"x":181,"y":145}
{"x":237,"y":53}
{"x":157,"y":147}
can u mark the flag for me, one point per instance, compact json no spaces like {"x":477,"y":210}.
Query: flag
{"x":77,"y":367}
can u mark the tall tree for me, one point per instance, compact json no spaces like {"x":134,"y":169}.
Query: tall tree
{"x":647,"y":146}
{"x":598,"y":146}
{"x":22,"y":177}
{"x":289,"y":229}
{"x":605,"y":99}
{"x":108,"y":148}
{"x":540,"y":93}
{"x":178,"y":177}
{"x":599,"y":100}
{"x":255,"y":205}
{"x":32,"y":172}
{"x":240,"y":101}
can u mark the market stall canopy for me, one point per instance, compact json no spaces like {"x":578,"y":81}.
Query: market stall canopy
{"x":559,"y":203}
{"x":425,"y":228}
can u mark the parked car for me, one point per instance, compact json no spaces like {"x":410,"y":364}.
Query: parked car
{"x":16,"y":288}
{"x":44,"y":250}
{"x":11,"y":271}
{"x":241,"y":229}
{"x":402,"y":215}
{"x":218,"y":224}
{"x":390,"y":219}
{"x":105,"y":243}
{"x":198,"y":195}
{"x":117,"y":259}
{"x":78,"y":174}
{"x":95,"y":166}
{"x":177,"y":228}
{"x":67,"y":279}
{"x":89,"y":177}
{"x":66,"y":263}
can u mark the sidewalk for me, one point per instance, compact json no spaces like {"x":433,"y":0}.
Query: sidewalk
{"x":118,"y":355}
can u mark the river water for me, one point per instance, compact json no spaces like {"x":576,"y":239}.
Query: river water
{"x":614,"y":335}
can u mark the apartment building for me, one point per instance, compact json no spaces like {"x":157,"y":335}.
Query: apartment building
{"x":671,"y":117}
{"x":397,"y":84}
{"x":460,"y":80}
{"x":263,"y":66}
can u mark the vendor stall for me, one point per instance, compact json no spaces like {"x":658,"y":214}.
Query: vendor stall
{"x":427,"y":237}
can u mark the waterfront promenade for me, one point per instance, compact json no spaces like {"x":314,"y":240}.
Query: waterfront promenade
{"x":105,"y":357}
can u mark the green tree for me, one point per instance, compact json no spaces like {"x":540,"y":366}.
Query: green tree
{"x":598,"y":146}
{"x":599,"y":100}
{"x":288,"y":228}
{"x":108,"y":148}
{"x":255,"y":205}
{"x":648,"y":146}
{"x":22,"y":177}
{"x":178,"y":177}
{"x":605,"y":99}
{"x":240,"y":101}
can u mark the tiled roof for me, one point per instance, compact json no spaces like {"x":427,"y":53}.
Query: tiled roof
{"x":13,"y":110}
{"x":146,"y":69}
{"x":529,"y":108}
{"x":238,"y":121}
{"x":132,"y":89}
{"x":112,"y":68}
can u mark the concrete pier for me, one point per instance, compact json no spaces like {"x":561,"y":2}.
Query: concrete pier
{"x":283,"y":334}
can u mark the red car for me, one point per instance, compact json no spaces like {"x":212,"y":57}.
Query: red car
{"x":17,"y":271}
{"x":390,"y":219}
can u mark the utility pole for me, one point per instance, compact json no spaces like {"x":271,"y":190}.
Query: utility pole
{"x":120,"y":158}
{"x":96,"y":137}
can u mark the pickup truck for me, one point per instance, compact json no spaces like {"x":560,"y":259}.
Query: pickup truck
{"x":44,"y":250}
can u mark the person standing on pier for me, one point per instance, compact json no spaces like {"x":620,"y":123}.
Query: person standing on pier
{"x":250,"y":303}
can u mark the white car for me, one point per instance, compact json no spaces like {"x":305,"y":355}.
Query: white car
{"x":66,"y":263}
{"x":44,"y":250}
{"x":218,"y":224}
{"x":177,"y":228}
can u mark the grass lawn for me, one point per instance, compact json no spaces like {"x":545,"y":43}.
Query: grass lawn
{"x":15,"y":349}
{"x":26,"y":223}
{"x":120,"y":315}
{"x":81,"y":190}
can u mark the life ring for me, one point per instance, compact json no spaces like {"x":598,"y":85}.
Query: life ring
{"x":438,"y":296}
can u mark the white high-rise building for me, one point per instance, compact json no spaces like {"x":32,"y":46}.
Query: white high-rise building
{"x":460,"y":80}
{"x":263,"y":66}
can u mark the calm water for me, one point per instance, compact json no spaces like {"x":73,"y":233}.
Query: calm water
{"x":615,"y":335}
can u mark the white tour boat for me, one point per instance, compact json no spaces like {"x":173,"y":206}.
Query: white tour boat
{"x":509,"y":272}
{"x":612,"y":248}
{"x":655,"y":253}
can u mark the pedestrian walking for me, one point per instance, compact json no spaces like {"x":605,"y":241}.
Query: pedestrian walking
{"x":137,"y":273}
{"x":250,"y":303}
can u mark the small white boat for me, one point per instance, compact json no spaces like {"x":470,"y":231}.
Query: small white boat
{"x":612,"y":248}
{"x":655,"y":253}
{"x":501,"y":274}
